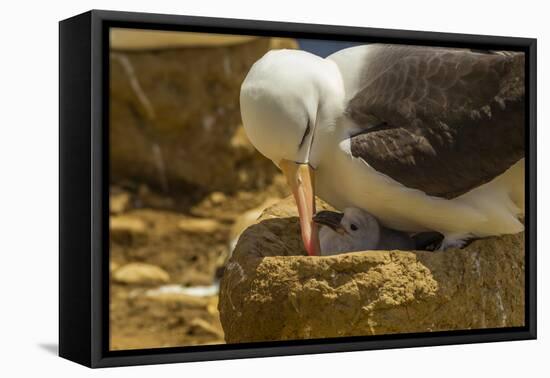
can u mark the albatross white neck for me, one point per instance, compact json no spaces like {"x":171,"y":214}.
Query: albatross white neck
{"x":291,"y":100}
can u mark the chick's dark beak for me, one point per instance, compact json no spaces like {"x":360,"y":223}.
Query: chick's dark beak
{"x":330,"y":219}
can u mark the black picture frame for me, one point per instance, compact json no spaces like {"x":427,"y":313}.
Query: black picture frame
{"x":84,"y":187}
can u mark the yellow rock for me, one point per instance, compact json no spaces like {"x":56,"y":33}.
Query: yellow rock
{"x":198,"y":225}
{"x":217,"y":198}
{"x":113,"y":266}
{"x":126,"y":229}
{"x":127,"y":223}
{"x":201,"y":325}
{"x":247,"y":219}
{"x":140,"y":274}
{"x":133,"y":39}
{"x":269,"y":277}
{"x":119,"y":202}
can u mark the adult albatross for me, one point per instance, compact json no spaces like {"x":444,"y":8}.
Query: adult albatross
{"x":424,"y":138}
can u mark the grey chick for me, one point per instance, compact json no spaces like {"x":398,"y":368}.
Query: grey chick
{"x":357,"y":230}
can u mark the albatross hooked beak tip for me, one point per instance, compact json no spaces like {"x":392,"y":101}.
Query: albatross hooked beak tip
{"x":300,"y":178}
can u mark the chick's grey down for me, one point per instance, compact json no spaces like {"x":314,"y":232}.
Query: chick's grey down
{"x":357,"y":230}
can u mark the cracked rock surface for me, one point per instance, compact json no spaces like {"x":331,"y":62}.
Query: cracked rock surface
{"x":272,"y":291}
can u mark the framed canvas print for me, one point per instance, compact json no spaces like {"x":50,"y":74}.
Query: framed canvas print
{"x":234,"y":188}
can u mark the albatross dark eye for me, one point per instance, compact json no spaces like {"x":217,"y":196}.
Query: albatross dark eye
{"x":353,"y":227}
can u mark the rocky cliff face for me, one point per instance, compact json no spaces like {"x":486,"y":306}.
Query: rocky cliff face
{"x":174,"y":113}
{"x":185,"y":180}
{"x":272,"y":291}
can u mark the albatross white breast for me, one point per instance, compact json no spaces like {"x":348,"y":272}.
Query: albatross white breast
{"x":423,"y":138}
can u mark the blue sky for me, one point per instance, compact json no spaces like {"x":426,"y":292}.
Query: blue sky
{"x":324,"y":48}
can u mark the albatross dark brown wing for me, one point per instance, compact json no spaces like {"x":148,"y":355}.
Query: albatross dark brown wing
{"x":440,"y":120}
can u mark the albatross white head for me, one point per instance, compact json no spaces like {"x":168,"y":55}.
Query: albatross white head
{"x":290,"y":104}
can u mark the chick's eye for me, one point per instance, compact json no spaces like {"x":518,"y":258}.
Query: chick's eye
{"x":353,"y":227}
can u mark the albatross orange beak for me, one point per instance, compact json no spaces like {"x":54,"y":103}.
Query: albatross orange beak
{"x":300,"y":178}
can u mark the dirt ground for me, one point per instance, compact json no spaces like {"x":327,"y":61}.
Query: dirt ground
{"x":163,"y":245}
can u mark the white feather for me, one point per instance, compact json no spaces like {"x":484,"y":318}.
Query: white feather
{"x":285,"y":89}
